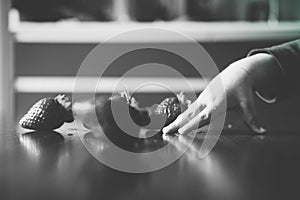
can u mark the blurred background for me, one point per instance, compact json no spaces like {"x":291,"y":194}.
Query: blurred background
{"x":168,"y":10}
{"x":44,"y":42}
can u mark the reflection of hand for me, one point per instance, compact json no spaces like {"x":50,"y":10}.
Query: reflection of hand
{"x":239,"y":81}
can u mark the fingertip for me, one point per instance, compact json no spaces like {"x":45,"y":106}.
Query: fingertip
{"x":171,"y":127}
{"x":165,"y":136}
{"x":255,"y":126}
{"x":165,"y":130}
{"x":262,"y":130}
{"x":259,"y":129}
{"x":181,"y":131}
{"x":168,"y":128}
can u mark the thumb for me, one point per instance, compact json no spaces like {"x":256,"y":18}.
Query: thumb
{"x":256,"y":127}
{"x":250,"y":117}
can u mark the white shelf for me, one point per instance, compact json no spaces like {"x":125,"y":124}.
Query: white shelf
{"x":33,"y":84}
{"x":95,"y":32}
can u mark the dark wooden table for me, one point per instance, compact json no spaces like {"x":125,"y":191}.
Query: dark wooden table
{"x":56,"y":165}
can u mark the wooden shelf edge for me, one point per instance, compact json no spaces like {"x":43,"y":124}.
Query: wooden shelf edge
{"x":95,"y":32}
{"x":108,"y":84}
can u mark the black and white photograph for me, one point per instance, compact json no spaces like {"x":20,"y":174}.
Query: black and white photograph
{"x":149,"y":99}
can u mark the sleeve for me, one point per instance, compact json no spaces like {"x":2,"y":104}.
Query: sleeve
{"x":288,"y":57}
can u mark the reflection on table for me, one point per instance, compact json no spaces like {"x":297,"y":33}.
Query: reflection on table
{"x":56,"y":165}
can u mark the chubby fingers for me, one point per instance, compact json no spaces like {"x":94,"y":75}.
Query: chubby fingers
{"x":174,"y":126}
{"x":249,"y":114}
{"x":184,"y":118}
{"x":199,"y":120}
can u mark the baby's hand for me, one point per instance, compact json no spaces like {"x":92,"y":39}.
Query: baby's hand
{"x":238,"y":81}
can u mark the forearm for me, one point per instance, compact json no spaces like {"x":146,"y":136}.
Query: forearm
{"x":264,"y":74}
{"x":287,"y":56}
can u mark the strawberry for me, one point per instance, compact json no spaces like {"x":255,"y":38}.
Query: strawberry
{"x":66,"y":103}
{"x":122,"y":100}
{"x":119,"y":129}
{"x":48,"y":114}
{"x":169,"y":109}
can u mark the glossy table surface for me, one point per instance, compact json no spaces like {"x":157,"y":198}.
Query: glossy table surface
{"x":56,"y":165}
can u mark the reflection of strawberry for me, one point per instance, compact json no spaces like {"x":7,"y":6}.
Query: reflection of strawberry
{"x":48,"y":114}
